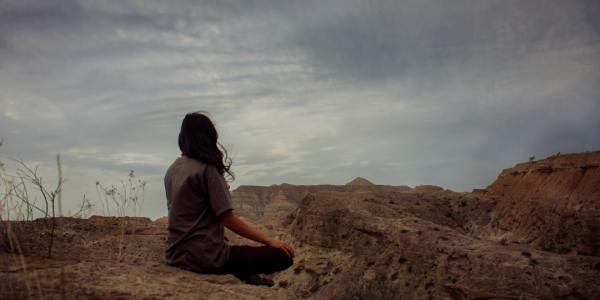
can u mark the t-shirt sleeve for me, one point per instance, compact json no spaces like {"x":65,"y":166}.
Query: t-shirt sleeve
{"x":218,"y":191}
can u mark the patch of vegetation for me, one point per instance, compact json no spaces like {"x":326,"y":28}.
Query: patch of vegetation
{"x":129,"y":194}
{"x":25,"y":196}
{"x":18,"y":200}
{"x":504,"y":242}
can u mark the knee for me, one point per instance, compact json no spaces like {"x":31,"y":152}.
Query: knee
{"x":288,"y":262}
{"x":284,"y":260}
{"x":281,"y":259}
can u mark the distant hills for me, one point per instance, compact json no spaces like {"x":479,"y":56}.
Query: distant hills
{"x":360,"y":181}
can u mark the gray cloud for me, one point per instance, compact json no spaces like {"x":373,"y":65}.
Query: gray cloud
{"x":380,"y":39}
{"x":401,"y":92}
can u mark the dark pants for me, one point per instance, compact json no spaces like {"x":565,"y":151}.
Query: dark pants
{"x":248,"y":260}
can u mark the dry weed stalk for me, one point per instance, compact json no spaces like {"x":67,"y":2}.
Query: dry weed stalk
{"x":18,"y":199}
{"x":60,"y":179}
{"x":31,"y":176}
{"x":129,"y":194}
{"x":9,"y":240}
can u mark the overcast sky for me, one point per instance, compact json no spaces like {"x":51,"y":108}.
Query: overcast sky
{"x":304,"y":92}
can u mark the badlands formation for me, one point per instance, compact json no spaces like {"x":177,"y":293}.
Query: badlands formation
{"x":534,"y":233}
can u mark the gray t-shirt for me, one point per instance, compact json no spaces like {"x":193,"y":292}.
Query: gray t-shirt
{"x":196,"y":195}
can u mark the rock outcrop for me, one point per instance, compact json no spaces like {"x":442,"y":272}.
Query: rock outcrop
{"x":419,"y":246}
{"x":275,"y":201}
{"x":553,"y":204}
{"x":533,"y":233}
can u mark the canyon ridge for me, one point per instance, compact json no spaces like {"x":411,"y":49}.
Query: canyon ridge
{"x":534,"y":233}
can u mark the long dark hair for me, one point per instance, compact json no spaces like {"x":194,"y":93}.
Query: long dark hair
{"x":198,"y":139}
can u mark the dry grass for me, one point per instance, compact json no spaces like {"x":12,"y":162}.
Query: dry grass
{"x":26,"y":196}
{"x":119,"y":199}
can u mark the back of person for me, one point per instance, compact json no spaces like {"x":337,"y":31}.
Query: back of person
{"x":195,"y":197}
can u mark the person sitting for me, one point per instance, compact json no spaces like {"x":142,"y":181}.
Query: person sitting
{"x":200,"y":207}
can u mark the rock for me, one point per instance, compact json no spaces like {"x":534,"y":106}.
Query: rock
{"x":265,"y":203}
{"x":553,"y":204}
{"x":428,"y":188}
{"x":419,"y":253}
{"x":162,"y":220}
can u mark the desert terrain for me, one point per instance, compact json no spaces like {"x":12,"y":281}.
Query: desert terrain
{"x":534,"y":233}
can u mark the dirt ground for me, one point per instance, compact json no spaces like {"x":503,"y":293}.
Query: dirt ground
{"x":105,"y":258}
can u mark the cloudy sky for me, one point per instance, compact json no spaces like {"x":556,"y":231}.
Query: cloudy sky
{"x":400,"y":92}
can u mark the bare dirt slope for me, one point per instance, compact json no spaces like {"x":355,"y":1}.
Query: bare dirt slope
{"x":532,"y":234}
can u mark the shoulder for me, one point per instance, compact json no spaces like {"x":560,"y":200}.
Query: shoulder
{"x":211,"y":171}
{"x":200,"y":169}
{"x":185,"y":166}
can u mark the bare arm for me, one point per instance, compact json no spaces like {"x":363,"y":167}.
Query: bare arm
{"x":246,"y":230}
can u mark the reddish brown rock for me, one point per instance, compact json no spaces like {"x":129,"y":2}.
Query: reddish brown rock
{"x":276,"y":201}
{"x":417,"y":246}
{"x":162,"y":220}
{"x":552,"y":204}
